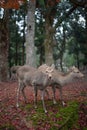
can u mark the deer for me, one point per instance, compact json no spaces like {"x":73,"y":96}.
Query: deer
{"x":47,"y":70}
{"x":20,"y":77}
{"x":38,"y":80}
{"x":52,"y":70}
{"x":13,"y":71}
{"x":60,"y":80}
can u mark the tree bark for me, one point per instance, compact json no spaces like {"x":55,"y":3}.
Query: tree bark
{"x":50,"y":31}
{"x":4,"y":47}
{"x":49,"y":16}
{"x":48,"y":42}
{"x":30,"y":48}
{"x":86,"y":35}
{"x":23,"y":47}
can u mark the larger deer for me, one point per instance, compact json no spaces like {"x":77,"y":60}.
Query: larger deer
{"x":13,"y":71}
{"x":33,"y":77}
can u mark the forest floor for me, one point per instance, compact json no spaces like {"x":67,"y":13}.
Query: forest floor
{"x":24,"y":117}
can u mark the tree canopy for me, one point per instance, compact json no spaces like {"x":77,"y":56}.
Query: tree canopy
{"x":10,"y":4}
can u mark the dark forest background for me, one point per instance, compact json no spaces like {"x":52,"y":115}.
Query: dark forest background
{"x":70,"y":37}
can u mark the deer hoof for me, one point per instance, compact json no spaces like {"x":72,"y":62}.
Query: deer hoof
{"x":63,"y":103}
{"x":17,"y":105}
{"x":54,"y":102}
{"x":46,"y":111}
{"x":35,"y":107}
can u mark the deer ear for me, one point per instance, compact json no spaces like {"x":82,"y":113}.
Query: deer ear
{"x":74,"y":67}
{"x":47,"y":69}
{"x":53,"y":66}
{"x":71,"y":68}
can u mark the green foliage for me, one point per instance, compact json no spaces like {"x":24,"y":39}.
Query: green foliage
{"x":17,"y":39}
{"x":57,"y":116}
{"x":41,"y":3}
{"x":68,"y":114}
{"x":7,"y":127}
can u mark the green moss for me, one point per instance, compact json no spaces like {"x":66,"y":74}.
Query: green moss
{"x":28,"y":107}
{"x":54,"y":128}
{"x":83,"y":93}
{"x":85,"y":128}
{"x":57,"y":115}
{"x":39,"y":117}
{"x":68,"y":115}
{"x":7,"y":127}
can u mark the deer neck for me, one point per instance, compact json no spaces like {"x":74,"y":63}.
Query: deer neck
{"x":66,"y":79}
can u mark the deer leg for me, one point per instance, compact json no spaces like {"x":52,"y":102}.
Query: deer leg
{"x":61,"y":96}
{"x":35,"y":96}
{"x":20,"y":88}
{"x":47,"y":93}
{"x":18,"y":93}
{"x":42,"y":98}
{"x":54,"y":91}
{"x":23,"y":93}
{"x":12,"y":77}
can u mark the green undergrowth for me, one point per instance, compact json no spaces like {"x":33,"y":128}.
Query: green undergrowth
{"x":58,"y":117}
{"x":7,"y":126}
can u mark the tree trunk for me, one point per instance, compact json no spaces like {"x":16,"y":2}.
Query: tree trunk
{"x":48,"y":42}
{"x":30,"y":48}
{"x":86,"y":35}
{"x":4,"y":46}
{"x":62,"y":48}
{"x":23,"y":47}
{"x":16,"y":49}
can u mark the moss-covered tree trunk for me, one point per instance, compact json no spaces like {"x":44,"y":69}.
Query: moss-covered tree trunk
{"x":30,"y":48}
{"x":4,"y":46}
{"x":48,"y":42}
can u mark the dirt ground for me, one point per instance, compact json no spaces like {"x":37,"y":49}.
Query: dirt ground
{"x":9,"y":114}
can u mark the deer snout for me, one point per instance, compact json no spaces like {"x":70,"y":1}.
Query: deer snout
{"x":81,"y":75}
{"x":50,"y":76}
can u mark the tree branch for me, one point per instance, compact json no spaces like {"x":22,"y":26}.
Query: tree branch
{"x":82,"y":3}
{"x":61,"y":19}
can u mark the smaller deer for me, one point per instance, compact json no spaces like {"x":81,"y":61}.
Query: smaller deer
{"x":59,"y":81}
